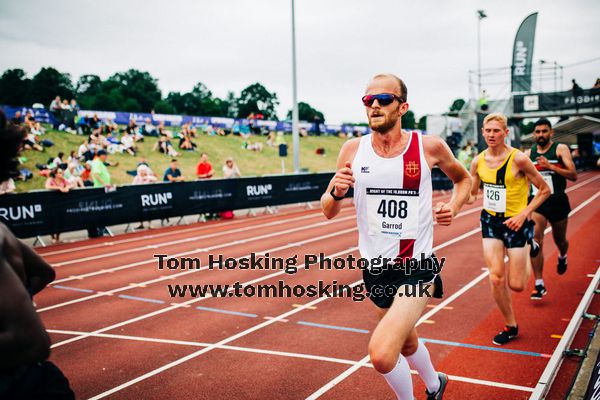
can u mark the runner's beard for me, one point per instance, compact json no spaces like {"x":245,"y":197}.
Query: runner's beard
{"x":385,"y":126}
{"x":542,"y":141}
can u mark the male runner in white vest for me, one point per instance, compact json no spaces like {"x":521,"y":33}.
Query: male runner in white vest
{"x":390,"y":171}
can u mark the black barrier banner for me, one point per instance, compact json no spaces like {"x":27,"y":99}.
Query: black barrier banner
{"x":556,"y":101}
{"x":593,"y":389}
{"x":45,"y":212}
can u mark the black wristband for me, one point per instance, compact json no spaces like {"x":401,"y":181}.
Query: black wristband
{"x":336,"y":198}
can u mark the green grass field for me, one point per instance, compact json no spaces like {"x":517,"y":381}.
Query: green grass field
{"x":218,"y":148}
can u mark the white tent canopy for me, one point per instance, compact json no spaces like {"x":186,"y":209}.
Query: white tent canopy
{"x":567,"y":131}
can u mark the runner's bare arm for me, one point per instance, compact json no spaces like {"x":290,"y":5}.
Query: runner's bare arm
{"x":443,"y":158}
{"x":526,"y":166}
{"x":38,"y":272}
{"x":476,"y":181}
{"x":569,"y":172}
{"x":342,"y":181}
{"x":23,"y":339}
{"x":33,"y":270}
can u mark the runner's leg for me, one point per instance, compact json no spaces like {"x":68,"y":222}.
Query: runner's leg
{"x":493,"y":254}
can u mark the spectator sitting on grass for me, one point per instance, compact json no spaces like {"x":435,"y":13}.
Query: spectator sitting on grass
{"x":173,"y":173}
{"x":8,"y":186}
{"x":271,"y":139}
{"x":131,"y":127}
{"x":31,"y":142}
{"x":163,"y":145}
{"x":204,"y":169}
{"x":85,"y":152}
{"x":72,"y":175}
{"x":86,"y":175}
{"x":144,"y":175}
{"x":17,"y":119}
{"x":148,"y":129}
{"x":164,"y":132}
{"x":245,"y":132}
{"x":128,"y":144}
{"x":185,"y":142}
{"x":59,"y":162}
{"x":230,"y":169}
{"x":253,"y":146}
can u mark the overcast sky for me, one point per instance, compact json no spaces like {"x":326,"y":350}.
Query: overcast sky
{"x":229,"y":44}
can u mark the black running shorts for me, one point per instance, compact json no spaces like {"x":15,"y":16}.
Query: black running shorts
{"x":493,"y":227}
{"x":382,"y":287}
{"x":555,"y":208}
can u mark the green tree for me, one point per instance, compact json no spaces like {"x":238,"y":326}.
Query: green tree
{"x":307,"y":113}
{"x":88,"y":88}
{"x":137,"y":88}
{"x":49,"y":83}
{"x":527,"y":128}
{"x":423,"y":123}
{"x":408,"y":120}
{"x":164,"y":107}
{"x":257,"y":99}
{"x":15,"y":88}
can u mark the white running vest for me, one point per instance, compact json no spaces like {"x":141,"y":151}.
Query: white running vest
{"x":392,"y":197}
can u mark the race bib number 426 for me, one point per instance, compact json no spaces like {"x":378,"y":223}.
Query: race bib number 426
{"x":393,"y":213}
{"x":494,"y":197}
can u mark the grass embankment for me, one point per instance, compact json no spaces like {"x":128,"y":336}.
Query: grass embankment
{"x":218,"y":148}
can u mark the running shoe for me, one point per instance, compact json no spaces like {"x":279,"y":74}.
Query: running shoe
{"x":507,"y":334}
{"x":539,"y":292}
{"x":440,"y":393}
{"x":535,"y":249}
{"x":561,"y":267}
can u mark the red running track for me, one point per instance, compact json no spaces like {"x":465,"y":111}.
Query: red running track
{"x":118,"y":334}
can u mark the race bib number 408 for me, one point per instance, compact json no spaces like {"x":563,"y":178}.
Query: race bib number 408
{"x":393,"y":213}
{"x":494,"y":197}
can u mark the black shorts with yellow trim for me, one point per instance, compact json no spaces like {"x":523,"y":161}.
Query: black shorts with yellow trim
{"x":382,"y":287}
{"x":555,"y":208}
{"x":493,"y":227}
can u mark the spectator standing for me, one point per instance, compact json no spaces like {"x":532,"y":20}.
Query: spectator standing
{"x":577,"y":92}
{"x":100,"y":174}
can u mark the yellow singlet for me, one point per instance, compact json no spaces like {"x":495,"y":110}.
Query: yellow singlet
{"x":504,"y":194}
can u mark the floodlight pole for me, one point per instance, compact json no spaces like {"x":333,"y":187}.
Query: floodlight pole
{"x":295,"y":133}
{"x":480,"y":15}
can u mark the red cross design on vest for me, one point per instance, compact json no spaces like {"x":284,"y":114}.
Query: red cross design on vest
{"x":411,"y":169}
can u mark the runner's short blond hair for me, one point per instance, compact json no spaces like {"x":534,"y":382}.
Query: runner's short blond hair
{"x":496,"y":117}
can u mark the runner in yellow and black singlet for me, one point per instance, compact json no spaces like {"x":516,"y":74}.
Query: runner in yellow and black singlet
{"x":505,"y":174}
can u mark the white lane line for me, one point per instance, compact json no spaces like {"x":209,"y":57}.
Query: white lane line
{"x":302,"y":356}
{"x":192,"y":301}
{"x":229,"y":232}
{"x":197,"y":228}
{"x":233,"y":337}
{"x":159,"y":235}
{"x":198,"y":250}
{"x":352,"y":369}
{"x":187,"y":272}
{"x":173,"y":276}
